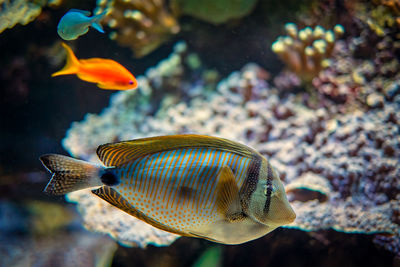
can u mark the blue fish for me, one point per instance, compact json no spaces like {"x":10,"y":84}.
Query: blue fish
{"x":76,"y":23}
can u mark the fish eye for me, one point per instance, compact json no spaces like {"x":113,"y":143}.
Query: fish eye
{"x":130,"y":82}
{"x":271,"y":187}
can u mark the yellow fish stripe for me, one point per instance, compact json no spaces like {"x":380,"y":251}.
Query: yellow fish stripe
{"x":178,"y":179}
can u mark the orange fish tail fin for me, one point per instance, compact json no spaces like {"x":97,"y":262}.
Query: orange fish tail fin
{"x":72,"y":65}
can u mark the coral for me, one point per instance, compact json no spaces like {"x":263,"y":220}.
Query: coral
{"x":349,"y":80}
{"x":141,"y":25}
{"x":345,"y":165}
{"x":214,"y":11}
{"x":394,"y":6}
{"x":13,"y":12}
{"x":382,"y":16}
{"x":306,"y":52}
{"x":309,"y":186}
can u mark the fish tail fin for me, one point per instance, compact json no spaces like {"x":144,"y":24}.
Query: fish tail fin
{"x":96,"y":21}
{"x":72,"y":65}
{"x":70,"y":174}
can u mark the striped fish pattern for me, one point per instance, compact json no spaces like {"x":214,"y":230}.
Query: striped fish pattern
{"x":177,"y":187}
{"x":191,"y":185}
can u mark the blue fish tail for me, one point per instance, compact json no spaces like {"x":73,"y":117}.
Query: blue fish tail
{"x":96,"y":21}
{"x":98,"y":27}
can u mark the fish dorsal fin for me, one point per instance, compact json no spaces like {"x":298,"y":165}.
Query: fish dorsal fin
{"x":115,"y":199}
{"x":228,"y":200}
{"x":97,"y":60}
{"x":84,"y":12}
{"x":115,"y":154}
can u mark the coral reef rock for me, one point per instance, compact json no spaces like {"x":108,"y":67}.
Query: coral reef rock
{"x":350,"y":80}
{"x":142,"y":25}
{"x":13,"y":12}
{"x":382,"y":16}
{"x":341,"y":169}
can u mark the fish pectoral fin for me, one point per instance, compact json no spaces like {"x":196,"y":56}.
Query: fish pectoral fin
{"x":228,"y":201}
{"x":115,"y":199}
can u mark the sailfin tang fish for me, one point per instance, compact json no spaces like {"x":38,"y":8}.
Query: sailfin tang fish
{"x":191,"y":185}
{"x":106,"y":73}
{"x":76,"y":23}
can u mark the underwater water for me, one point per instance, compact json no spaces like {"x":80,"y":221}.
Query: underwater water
{"x":312,"y":86}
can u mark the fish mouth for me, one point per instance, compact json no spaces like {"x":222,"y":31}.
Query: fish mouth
{"x":291,"y":216}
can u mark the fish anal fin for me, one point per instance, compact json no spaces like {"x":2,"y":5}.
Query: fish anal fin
{"x":117,"y":200}
{"x":205,"y":237}
{"x":106,"y":87}
{"x":228,"y":200}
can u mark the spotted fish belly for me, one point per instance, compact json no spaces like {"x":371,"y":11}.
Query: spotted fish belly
{"x":177,"y":188}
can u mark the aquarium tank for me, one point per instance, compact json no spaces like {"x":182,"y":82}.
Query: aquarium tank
{"x":200,"y":133}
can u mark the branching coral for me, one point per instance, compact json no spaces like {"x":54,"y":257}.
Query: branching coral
{"x":13,"y":12}
{"x":306,"y":52}
{"x":139,"y":24}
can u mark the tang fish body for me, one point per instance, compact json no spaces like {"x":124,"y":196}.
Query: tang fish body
{"x":76,"y":23}
{"x":191,"y":185}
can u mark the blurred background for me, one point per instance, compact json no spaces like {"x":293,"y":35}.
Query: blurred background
{"x":186,"y":51}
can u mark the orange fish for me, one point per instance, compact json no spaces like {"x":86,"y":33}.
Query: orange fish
{"x":106,"y":73}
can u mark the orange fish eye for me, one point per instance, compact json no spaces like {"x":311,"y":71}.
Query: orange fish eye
{"x":130,"y":82}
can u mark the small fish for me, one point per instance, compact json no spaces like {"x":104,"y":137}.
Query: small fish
{"x":106,"y":73}
{"x":76,"y":23}
{"x":191,"y":185}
